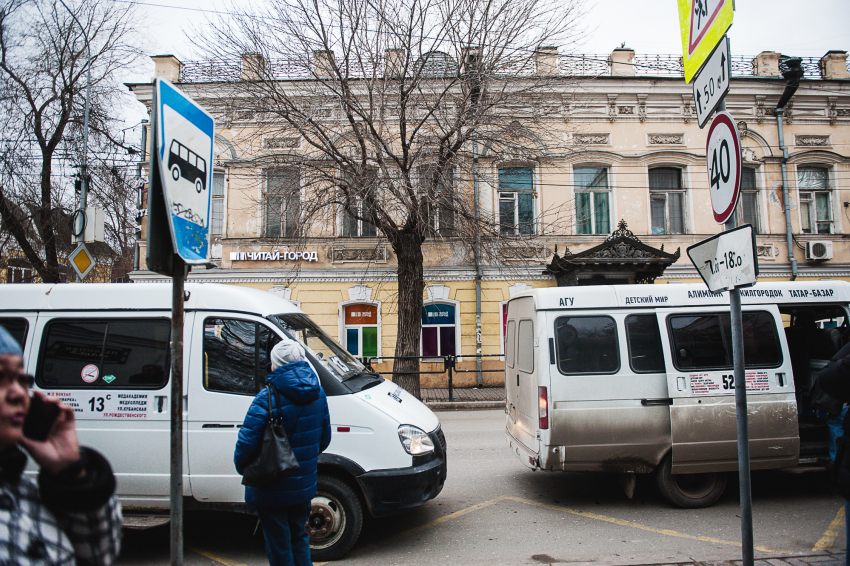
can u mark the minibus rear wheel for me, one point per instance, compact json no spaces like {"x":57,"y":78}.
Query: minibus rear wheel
{"x":689,"y":491}
{"x":335,"y":520}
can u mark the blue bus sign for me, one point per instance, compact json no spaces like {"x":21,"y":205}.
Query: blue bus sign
{"x":184,"y":144}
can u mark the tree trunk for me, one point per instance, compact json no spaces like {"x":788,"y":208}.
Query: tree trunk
{"x":408,"y":250}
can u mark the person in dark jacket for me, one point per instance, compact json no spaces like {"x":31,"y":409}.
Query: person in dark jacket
{"x":284,"y":505}
{"x":71,"y":516}
{"x":834,"y":379}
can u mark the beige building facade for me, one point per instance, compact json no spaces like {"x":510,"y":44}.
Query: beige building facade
{"x":624,"y":145}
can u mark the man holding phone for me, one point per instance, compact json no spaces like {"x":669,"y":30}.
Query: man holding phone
{"x":71,"y":516}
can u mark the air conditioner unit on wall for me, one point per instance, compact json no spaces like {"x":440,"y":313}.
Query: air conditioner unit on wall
{"x":819,"y":250}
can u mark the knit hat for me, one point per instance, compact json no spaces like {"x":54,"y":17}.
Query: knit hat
{"x":285,"y":352}
{"x":8,"y":345}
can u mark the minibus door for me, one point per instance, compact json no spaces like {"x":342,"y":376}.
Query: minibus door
{"x":701,"y":385}
{"x":230,"y":361}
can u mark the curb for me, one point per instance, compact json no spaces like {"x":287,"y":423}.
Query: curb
{"x":464,"y":405}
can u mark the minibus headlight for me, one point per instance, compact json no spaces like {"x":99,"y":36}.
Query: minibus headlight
{"x":414,"y":440}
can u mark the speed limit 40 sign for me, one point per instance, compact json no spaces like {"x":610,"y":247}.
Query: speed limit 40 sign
{"x":723,"y":161}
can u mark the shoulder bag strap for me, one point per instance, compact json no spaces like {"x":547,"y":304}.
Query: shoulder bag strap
{"x":271,"y":393}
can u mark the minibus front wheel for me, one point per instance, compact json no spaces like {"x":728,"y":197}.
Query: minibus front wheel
{"x":335,"y":520}
{"x":689,"y":491}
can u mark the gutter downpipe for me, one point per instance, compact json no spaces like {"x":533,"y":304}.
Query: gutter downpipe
{"x":785,"y":195}
{"x":792,"y":75}
{"x":477,"y":257}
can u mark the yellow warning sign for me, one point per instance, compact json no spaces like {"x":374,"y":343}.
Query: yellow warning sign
{"x":702,"y":24}
{"x":81,"y":260}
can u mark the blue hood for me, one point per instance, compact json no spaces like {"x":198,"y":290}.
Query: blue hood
{"x":297,"y":381}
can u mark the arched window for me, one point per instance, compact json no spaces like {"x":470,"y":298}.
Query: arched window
{"x":439,"y":329}
{"x":361,"y":329}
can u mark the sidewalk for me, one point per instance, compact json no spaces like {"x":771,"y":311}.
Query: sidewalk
{"x":464,"y":399}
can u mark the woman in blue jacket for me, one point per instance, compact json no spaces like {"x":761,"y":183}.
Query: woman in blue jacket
{"x":284,"y":505}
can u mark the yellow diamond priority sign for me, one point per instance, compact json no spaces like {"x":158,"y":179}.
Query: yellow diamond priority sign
{"x":702,"y":24}
{"x":82,"y":261}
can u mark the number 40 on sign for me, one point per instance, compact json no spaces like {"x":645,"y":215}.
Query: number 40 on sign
{"x":723,"y":161}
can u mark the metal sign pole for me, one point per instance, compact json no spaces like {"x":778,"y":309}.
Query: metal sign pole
{"x":746,"y":495}
{"x":177,"y":411}
{"x":162,"y":259}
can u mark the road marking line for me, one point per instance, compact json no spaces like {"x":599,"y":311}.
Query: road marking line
{"x":214,"y":557}
{"x":634,"y":525}
{"x":832,"y":532}
{"x":225,"y":561}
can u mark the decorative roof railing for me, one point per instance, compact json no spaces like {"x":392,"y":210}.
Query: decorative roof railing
{"x":568,"y":65}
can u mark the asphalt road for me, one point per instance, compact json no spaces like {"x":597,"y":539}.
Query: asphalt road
{"x":493,"y":510}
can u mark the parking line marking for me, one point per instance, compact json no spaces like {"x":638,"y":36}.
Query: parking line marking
{"x":634,"y":525}
{"x":213,"y":557}
{"x":832,"y":532}
{"x":225,"y":561}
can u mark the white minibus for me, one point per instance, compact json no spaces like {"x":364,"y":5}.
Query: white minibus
{"x":638,"y":379}
{"x":104,"y":350}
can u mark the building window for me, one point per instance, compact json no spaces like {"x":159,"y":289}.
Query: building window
{"x":815,"y":200}
{"x":516,"y":200}
{"x":282,"y":202}
{"x":748,"y":207}
{"x":439,"y":330}
{"x":593,"y":212}
{"x":358,"y":220}
{"x":361,"y":330}
{"x":438,"y":200}
{"x":667,"y":196}
{"x":217,"y":205}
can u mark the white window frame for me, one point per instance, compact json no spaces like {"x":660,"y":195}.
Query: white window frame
{"x":358,"y":207}
{"x":267,"y":174}
{"x":658,"y":192}
{"x":607,"y":190}
{"x":740,"y":208}
{"x":341,"y":334}
{"x":831,"y":192}
{"x":456,"y":305}
{"x":223,"y":203}
{"x":535,"y":213}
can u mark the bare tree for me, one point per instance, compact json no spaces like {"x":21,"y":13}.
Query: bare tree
{"x":392,"y":102}
{"x":43,"y":77}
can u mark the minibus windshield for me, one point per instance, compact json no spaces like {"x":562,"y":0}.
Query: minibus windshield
{"x":334,"y":358}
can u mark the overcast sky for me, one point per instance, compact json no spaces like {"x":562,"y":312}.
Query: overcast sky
{"x":807,"y":28}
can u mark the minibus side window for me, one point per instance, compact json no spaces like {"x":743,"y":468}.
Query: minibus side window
{"x":17,"y":327}
{"x":104,"y":353}
{"x":644,"y":338}
{"x":586,"y":344}
{"x":761,"y":344}
{"x":705,"y":341}
{"x":510,"y":344}
{"x":525,"y":351}
{"x":236,"y":355}
{"x":699,"y":342}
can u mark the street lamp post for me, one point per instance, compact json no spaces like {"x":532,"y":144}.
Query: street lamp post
{"x":84,"y":164}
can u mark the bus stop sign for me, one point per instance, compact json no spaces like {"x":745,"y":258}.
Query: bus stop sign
{"x":184,"y":144}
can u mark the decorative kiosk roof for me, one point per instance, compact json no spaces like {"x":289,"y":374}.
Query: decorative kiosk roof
{"x":622,"y":258}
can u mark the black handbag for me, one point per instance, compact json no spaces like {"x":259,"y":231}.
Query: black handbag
{"x":276,"y":459}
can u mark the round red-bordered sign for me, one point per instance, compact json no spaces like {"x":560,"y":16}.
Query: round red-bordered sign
{"x":90,"y":373}
{"x":723,"y":162}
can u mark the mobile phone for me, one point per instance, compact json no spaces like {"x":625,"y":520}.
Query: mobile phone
{"x":40,"y":418}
